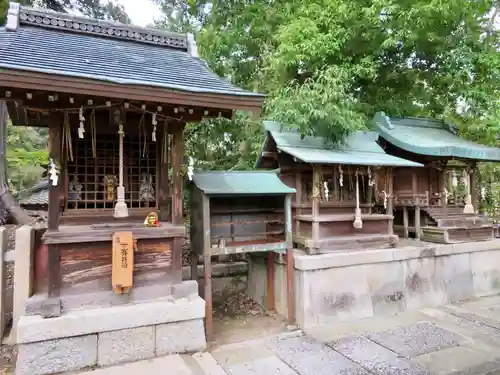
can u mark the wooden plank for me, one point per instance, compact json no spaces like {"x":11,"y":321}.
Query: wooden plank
{"x":288,"y":220}
{"x":123,"y":262}
{"x":177,"y":164}
{"x":55,"y":129}
{"x":87,"y":262}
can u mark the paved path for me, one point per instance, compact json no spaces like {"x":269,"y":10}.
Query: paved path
{"x":460,"y":339}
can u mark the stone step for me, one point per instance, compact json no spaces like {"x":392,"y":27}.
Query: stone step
{"x":196,"y":364}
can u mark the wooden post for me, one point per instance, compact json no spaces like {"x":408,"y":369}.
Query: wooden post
{"x":298,"y":200}
{"x":177,"y":164}
{"x":55,"y":128}
{"x":209,"y":328}
{"x":316,"y":196}
{"x":289,"y":261}
{"x":390,"y":201}
{"x":442,"y":190}
{"x":271,"y":301}
{"x":163,"y":182}
{"x":473,"y":187}
{"x":207,"y":269}
{"x":417,"y":222}
{"x":405,"y":221}
{"x":3,"y":250}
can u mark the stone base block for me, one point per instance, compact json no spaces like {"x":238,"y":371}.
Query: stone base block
{"x":127,"y":345}
{"x":108,"y":336}
{"x":55,"y":356}
{"x":350,"y":285}
{"x":181,"y":337}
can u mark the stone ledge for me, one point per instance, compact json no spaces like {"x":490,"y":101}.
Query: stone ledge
{"x":85,"y":322}
{"x":304,"y":262}
{"x":107,"y":298}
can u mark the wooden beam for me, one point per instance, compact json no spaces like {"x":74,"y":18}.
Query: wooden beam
{"x":177,"y":173}
{"x":82,"y":86}
{"x":271,"y":301}
{"x":55,"y":154}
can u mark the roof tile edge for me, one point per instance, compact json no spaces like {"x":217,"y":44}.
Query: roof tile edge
{"x":384,"y":120}
{"x":19,"y":15}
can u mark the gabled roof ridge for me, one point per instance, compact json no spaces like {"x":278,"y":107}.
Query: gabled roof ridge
{"x":18,"y":15}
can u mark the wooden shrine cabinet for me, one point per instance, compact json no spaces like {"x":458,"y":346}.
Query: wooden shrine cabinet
{"x":237,"y":213}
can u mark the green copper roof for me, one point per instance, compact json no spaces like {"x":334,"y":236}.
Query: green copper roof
{"x":431,"y":138}
{"x":240,"y":183}
{"x":360,"y":148}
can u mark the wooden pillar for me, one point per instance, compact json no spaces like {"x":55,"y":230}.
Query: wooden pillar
{"x":417,"y":222}
{"x":55,"y":130}
{"x":390,"y":201}
{"x":177,"y":164}
{"x":51,"y":307}
{"x":473,"y":187}
{"x":271,"y":301}
{"x":316,"y":196}
{"x":414,"y":182}
{"x":163,"y":182}
{"x":207,"y":269}
{"x":298,"y":199}
{"x":289,"y":261}
{"x":405,"y":221}
{"x":442,"y":190}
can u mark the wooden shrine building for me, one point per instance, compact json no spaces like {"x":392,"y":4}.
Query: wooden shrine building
{"x":437,"y":203}
{"x":344,"y":194}
{"x":237,"y":213}
{"x":115,"y":99}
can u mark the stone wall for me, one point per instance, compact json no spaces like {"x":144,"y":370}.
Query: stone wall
{"x":107,"y":336}
{"x":357,"y":284}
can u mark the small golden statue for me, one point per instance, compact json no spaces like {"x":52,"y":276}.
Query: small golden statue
{"x":152,"y":220}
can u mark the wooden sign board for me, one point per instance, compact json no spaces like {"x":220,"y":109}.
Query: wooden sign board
{"x":123,"y":262}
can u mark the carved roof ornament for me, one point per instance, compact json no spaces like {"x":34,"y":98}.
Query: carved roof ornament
{"x":12,"y":23}
{"x":20,"y":15}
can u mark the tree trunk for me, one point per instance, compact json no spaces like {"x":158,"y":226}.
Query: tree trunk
{"x":9,"y":207}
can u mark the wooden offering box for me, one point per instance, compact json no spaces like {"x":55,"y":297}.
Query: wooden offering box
{"x":240,"y":212}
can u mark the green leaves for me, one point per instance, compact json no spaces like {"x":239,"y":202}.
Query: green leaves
{"x":321,"y":106}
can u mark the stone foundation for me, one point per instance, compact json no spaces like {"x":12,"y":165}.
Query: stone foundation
{"x":357,"y":284}
{"x":110,"y":335}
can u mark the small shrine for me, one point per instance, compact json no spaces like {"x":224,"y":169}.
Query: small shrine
{"x":116,"y":149}
{"x":438,"y":203}
{"x":241,"y":213}
{"x":344,"y":197}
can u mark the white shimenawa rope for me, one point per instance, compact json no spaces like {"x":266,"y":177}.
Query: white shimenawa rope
{"x":121,"y":209}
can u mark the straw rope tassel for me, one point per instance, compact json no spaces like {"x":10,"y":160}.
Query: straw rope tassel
{"x":121,"y":209}
{"x":358,"y":223}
